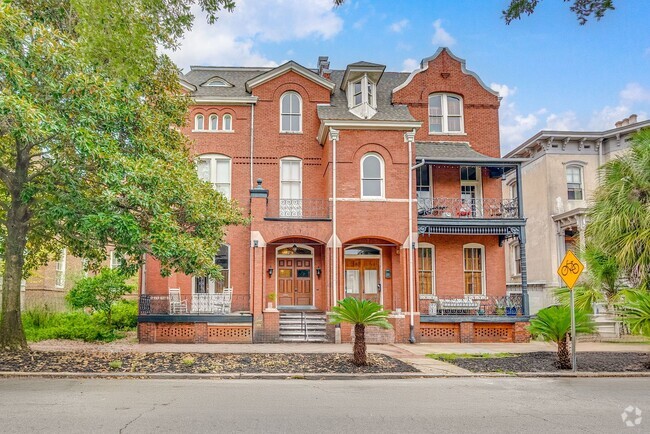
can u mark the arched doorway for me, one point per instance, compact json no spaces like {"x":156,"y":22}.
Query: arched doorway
{"x":363,"y":273}
{"x":295,"y":263}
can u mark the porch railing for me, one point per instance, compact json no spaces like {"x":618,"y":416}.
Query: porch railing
{"x":298,"y":209}
{"x":510,"y":305}
{"x":447,"y":207}
{"x":195,"y":304}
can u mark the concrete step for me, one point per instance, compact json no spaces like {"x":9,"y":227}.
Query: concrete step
{"x":302,"y":327}
{"x":314,"y":340}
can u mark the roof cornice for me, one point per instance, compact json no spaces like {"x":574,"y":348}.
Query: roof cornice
{"x":187,"y":85}
{"x":225,"y":100}
{"x":289,"y":66}
{"x":346,"y":124}
{"x":424,"y":65}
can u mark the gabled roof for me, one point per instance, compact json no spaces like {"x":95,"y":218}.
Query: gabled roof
{"x":424,"y":65}
{"x":283,"y":69}
{"x":358,"y":69}
{"x":364,"y":64}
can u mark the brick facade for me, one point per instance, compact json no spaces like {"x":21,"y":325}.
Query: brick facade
{"x":381,"y":225}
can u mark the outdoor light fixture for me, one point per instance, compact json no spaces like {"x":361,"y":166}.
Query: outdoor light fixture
{"x":270,"y":271}
{"x":318,"y":271}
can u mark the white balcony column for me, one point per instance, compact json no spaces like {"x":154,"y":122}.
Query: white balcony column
{"x":409,"y":138}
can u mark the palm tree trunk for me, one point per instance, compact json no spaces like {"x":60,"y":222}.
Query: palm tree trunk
{"x":563,"y":353}
{"x":359,"y":350}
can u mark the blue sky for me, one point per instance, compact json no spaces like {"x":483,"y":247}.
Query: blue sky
{"x":552,"y":72}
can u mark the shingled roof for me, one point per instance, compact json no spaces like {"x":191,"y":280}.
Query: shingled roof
{"x":450,"y":151}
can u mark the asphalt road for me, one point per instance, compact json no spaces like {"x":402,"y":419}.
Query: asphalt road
{"x":445,"y":405}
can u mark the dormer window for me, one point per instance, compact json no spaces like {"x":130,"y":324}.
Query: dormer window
{"x":361,"y":92}
{"x":217,"y":82}
{"x":357,"y":96}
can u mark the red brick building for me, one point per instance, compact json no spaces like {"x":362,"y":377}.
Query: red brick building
{"x":359,"y":183}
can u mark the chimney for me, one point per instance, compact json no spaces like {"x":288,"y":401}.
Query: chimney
{"x":324,"y":67}
{"x":625,"y":122}
{"x":618,"y":124}
{"x":633,"y":119}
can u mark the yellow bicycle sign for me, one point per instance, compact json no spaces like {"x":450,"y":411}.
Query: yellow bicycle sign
{"x":570,"y":269}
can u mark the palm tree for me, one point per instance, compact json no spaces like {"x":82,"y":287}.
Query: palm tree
{"x":553,"y":324}
{"x":636,"y":311}
{"x":619,"y":221}
{"x":361,"y":313}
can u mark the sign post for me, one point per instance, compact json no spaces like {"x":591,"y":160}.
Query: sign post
{"x":569,"y":271}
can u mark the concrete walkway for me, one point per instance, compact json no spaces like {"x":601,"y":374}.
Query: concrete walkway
{"x":412,"y":354}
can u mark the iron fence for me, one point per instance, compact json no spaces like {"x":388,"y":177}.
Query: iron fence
{"x":194,"y":304}
{"x":298,"y":209}
{"x":510,"y":305}
{"x":447,"y":207}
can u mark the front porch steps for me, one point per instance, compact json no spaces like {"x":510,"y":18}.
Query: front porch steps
{"x":303,"y":327}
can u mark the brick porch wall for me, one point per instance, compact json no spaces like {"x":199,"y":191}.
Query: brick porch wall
{"x":200,"y":332}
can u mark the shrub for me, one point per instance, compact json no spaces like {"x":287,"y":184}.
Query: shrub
{"x":188,"y":361}
{"x":115,"y":364}
{"x":100,"y":292}
{"x":125,"y":315}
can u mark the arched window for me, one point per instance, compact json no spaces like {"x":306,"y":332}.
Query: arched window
{"x":216,"y":170}
{"x":474,"y":268}
{"x":427,"y":268}
{"x":290,"y":113}
{"x":574,"y":182}
{"x":227,"y":122}
{"x":214,"y":122}
{"x":198,"y":123}
{"x":445,"y":113}
{"x":372,"y":176}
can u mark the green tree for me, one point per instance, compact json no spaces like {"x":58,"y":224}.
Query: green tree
{"x":636,"y":311}
{"x":583,"y":9}
{"x":619,"y":220}
{"x":100,"y":292}
{"x":362,"y":314}
{"x":553,"y":324}
{"x":91,"y":157}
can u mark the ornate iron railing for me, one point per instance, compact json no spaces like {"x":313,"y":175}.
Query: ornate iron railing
{"x":510,"y":305}
{"x":298,"y":209}
{"x":447,"y":207}
{"x":195,"y":304}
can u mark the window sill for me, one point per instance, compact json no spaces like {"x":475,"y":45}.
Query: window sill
{"x":427,"y":297}
{"x":290,"y":132}
{"x":214,"y":131}
{"x":462,"y":133}
{"x":372,"y":199}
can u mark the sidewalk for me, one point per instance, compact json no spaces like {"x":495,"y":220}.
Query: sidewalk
{"x":413,"y":354}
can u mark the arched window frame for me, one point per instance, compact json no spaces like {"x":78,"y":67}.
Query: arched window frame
{"x":215,"y":163}
{"x":445,"y":116}
{"x":213,"y":123}
{"x":199,"y":122}
{"x":481,"y":247}
{"x":572,"y":190}
{"x":431,"y":292}
{"x":226,"y":122}
{"x":291,"y":113}
{"x":365,"y":178}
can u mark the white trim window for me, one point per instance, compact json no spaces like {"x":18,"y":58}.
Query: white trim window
{"x":470,"y":191}
{"x":360,"y":92}
{"x":290,"y":113}
{"x":423,"y":190}
{"x":227,"y":122}
{"x":445,"y":114}
{"x":205,"y":285}
{"x":115,"y":261}
{"x":59,"y":275}
{"x":199,"y":122}
{"x":372,"y":176}
{"x":215,"y":169}
{"x":574,"y":182}
{"x":515,"y":255}
{"x":474,"y":269}
{"x":427,"y":269}
{"x":290,"y":187}
{"x":214,"y":123}
{"x":513,"y":190}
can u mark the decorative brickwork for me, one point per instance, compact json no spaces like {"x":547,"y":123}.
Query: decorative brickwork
{"x":493,"y":333}
{"x":228,"y":334}
{"x":439,"y":332}
{"x":174,"y":333}
{"x":200,"y":332}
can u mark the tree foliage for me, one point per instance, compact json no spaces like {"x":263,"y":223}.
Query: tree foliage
{"x":91,"y":154}
{"x":619,"y":220}
{"x":100,"y":292}
{"x":584,"y":9}
{"x":361,"y":313}
{"x":553,"y":324}
{"x":636,"y":311}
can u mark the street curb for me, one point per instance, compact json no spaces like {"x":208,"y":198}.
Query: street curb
{"x":303,"y":376}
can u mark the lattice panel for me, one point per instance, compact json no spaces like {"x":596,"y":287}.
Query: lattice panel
{"x":175,"y":333}
{"x":217,"y":334}
{"x":493,"y":333}
{"x":440,"y":332}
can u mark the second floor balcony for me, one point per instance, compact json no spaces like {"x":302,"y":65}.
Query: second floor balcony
{"x":457,"y":208}
{"x":298,"y":209}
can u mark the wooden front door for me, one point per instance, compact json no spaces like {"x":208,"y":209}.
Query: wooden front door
{"x":294,"y":282}
{"x":362,"y":279}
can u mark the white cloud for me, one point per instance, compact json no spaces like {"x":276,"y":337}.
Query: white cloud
{"x":503,"y":89}
{"x":359,"y":24}
{"x":231,"y":40}
{"x":634,"y":92}
{"x":398,"y":26}
{"x":605,"y":118}
{"x":410,"y":65}
{"x":441,"y":37}
{"x":565,"y":121}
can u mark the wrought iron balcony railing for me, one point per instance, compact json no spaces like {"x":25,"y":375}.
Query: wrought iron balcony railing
{"x":510,"y":305}
{"x":309,"y":209}
{"x":195,"y":304}
{"x":447,"y":207}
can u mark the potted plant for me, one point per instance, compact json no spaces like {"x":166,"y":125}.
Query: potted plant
{"x":511,"y":307}
{"x":499,"y":307}
{"x":271,"y":297}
